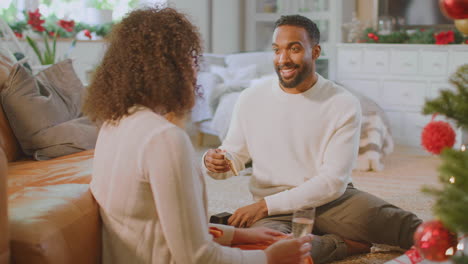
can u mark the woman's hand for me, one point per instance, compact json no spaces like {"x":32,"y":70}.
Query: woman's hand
{"x":215,"y":162}
{"x":255,"y":235}
{"x":289,"y":251}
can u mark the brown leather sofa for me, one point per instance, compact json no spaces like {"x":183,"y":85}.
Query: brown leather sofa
{"x":52,"y":216}
{"x":4,"y":236}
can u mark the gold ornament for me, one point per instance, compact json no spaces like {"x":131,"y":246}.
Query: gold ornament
{"x":462,"y":25}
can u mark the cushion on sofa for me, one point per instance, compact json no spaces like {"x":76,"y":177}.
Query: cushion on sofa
{"x":207,"y":82}
{"x":55,"y":224}
{"x":74,"y":168}
{"x":4,"y":237}
{"x":8,"y":141}
{"x":44,"y":111}
{"x":263,"y":60}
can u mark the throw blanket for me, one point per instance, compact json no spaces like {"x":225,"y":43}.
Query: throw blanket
{"x":376,"y":140}
{"x":216,"y":232}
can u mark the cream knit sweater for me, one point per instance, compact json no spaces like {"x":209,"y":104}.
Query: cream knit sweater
{"x":303,"y":146}
{"x":152,"y":198}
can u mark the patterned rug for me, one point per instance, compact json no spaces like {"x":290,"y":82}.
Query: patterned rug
{"x":406,"y":171}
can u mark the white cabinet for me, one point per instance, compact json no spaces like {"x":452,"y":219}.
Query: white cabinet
{"x":329,"y":15}
{"x":400,"y":78}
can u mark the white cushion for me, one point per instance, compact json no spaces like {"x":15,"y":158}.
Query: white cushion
{"x":208,"y":82}
{"x":236,"y":77}
{"x":263,"y":60}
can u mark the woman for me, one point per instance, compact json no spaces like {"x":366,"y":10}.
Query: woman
{"x":151,"y":196}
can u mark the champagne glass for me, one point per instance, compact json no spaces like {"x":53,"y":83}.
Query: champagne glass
{"x":303,"y":222}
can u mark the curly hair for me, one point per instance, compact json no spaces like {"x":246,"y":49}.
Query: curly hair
{"x":151,"y":60}
{"x":301,"y":21}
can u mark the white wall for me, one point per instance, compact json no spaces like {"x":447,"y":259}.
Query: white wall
{"x":228,"y":26}
{"x":220,"y":22}
{"x":199,"y":13}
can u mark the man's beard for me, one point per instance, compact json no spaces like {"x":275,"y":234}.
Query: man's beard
{"x":300,"y":77}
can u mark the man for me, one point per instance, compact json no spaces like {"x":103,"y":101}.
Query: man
{"x":302,"y":133}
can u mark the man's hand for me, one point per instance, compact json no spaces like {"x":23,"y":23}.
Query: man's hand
{"x":248,"y":215}
{"x":255,"y":235}
{"x":215,"y":162}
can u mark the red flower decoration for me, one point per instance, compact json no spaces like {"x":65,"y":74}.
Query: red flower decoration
{"x":444,"y":38}
{"x":87,"y":33}
{"x":376,"y":38}
{"x":35,"y":20}
{"x":370,"y":35}
{"x":68,"y":25}
{"x":18,"y":35}
{"x":51,"y":33}
{"x":466,"y":41}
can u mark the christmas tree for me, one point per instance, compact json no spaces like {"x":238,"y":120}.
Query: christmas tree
{"x":451,"y":205}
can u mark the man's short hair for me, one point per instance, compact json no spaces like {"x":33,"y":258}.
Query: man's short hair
{"x":301,"y":21}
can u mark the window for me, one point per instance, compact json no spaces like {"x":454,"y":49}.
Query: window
{"x":78,"y":10}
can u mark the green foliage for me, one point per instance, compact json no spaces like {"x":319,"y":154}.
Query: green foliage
{"x":9,"y":14}
{"x":46,"y":2}
{"x":395,"y":37}
{"x":453,"y":104}
{"x":18,"y":26}
{"x":133,"y":4}
{"x":100,"y":4}
{"x":103,"y":29}
{"x":452,"y":199}
{"x":451,"y":204}
{"x":460,"y":259}
{"x":422,"y":36}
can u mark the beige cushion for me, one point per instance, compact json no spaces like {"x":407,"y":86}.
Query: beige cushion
{"x":7,"y":60}
{"x":44,"y":111}
{"x":54,"y":224}
{"x":8,"y":141}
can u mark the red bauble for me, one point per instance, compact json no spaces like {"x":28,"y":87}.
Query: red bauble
{"x":436,"y":136}
{"x":434,"y":242}
{"x":454,"y":9}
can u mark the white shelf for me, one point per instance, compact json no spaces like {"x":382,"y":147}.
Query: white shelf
{"x":329,"y":15}
{"x":272,"y":17}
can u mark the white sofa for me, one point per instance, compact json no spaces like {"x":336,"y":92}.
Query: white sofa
{"x":223,"y":77}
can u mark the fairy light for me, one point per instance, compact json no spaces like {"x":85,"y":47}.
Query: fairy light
{"x":463,"y":147}
{"x":460,"y":246}
{"x":449,"y":252}
{"x":452,"y":180}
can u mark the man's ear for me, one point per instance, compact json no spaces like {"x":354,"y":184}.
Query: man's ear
{"x":316,"y":50}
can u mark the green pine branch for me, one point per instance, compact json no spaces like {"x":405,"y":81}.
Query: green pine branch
{"x":451,"y":201}
{"x":453,"y":104}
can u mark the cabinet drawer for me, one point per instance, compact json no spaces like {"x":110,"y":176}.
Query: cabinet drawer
{"x":413,"y":125}
{"x":434,"y":62}
{"x":375,"y":61}
{"x":349,"y":60}
{"x":400,"y":94}
{"x":369,"y":88}
{"x":457,"y":59}
{"x":395,"y":119}
{"x":436,"y":87}
{"x":404,"y":62}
